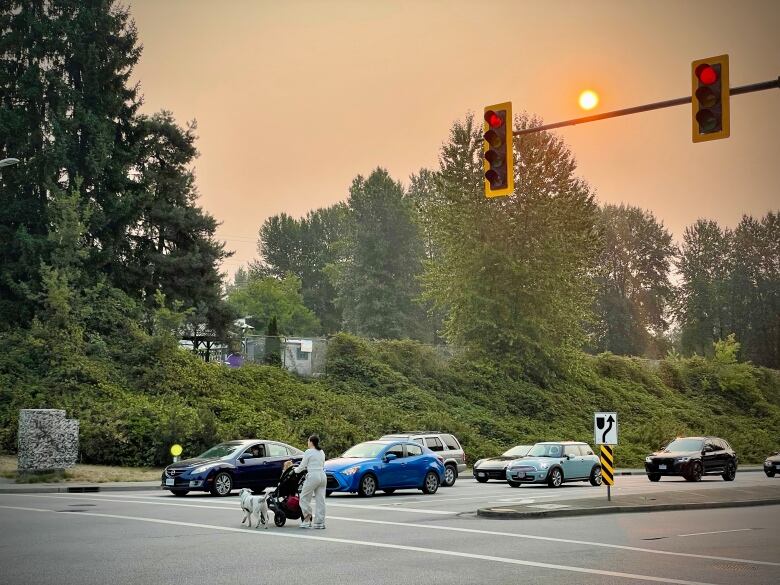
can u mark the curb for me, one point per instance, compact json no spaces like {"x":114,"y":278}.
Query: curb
{"x":77,"y":489}
{"x":523,"y":515}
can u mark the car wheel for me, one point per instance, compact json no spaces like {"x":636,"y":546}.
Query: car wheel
{"x":481,"y":479}
{"x":513,"y":483}
{"x":654,"y":477}
{"x":770,"y":473}
{"x":695,"y":474}
{"x":279,"y":519}
{"x":180,"y":493}
{"x":431,"y":483}
{"x":555,"y":479}
{"x":730,"y":473}
{"x":389,"y":492}
{"x":595,"y":476}
{"x":450,"y":475}
{"x":223,"y":483}
{"x":367,"y":486}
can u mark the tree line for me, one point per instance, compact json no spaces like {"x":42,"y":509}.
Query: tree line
{"x":535,"y":275}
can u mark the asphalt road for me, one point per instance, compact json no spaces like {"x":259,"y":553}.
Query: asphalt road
{"x":153,"y":537}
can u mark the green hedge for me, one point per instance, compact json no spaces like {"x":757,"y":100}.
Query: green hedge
{"x":135,"y":400}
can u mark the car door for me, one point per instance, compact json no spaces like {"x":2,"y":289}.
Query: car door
{"x":710,"y":456}
{"x":415,"y":465}
{"x":588,"y":459}
{"x":572,"y":462}
{"x":249,"y":470}
{"x":391,"y":473}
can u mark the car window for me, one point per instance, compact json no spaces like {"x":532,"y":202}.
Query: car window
{"x":255,"y":451}
{"x":398,"y":450}
{"x":419,"y":440}
{"x":571,"y":450}
{"x":585,"y":450}
{"x":451,"y":442}
{"x":545,"y":450}
{"x":434,"y":444}
{"x":413,"y":450}
{"x":275,"y":450}
{"x":711,"y":446}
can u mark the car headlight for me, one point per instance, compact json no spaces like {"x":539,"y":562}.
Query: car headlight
{"x":544,"y":465}
{"x":648,"y":459}
{"x":203,"y":468}
{"x":351,"y":470}
{"x":683,"y":459}
{"x":477,"y":462}
{"x":767,"y":462}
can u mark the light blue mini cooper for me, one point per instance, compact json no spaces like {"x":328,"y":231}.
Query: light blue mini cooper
{"x":554,"y":463}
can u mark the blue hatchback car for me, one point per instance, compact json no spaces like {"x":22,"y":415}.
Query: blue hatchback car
{"x":385,"y":465}
{"x":254,"y":464}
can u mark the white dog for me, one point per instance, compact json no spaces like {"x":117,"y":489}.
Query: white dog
{"x":254,"y":506}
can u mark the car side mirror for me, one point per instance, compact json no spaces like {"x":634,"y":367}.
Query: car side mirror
{"x":570,"y":456}
{"x":390,"y":456}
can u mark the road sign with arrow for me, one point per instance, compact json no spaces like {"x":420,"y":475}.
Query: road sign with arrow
{"x":605,"y":428}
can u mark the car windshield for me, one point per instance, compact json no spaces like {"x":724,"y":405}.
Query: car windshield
{"x":543,"y":450}
{"x":221,"y":450}
{"x":684,"y":445}
{"x":518,"y":451}
{"x":364,"y":450}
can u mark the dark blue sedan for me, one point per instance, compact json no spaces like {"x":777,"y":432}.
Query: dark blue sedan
{"x":255,"y":464}
{"x":387,"y":466}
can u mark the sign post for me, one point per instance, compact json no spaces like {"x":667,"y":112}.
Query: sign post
{"x":605,"y":433}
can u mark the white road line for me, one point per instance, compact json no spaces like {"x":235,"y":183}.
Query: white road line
{"x":434,"y":501}
{"x":434,"y":527}
{"x":433,"y":551}
{"x":716,"y":532}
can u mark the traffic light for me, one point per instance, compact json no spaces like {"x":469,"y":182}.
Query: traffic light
{"x":497,"y":157}
{"x":710,"y":78}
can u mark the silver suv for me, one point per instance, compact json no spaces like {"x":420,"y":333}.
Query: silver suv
{"x":444,"y":445}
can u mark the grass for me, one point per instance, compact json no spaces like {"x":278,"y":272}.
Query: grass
{"x":80,"y":473}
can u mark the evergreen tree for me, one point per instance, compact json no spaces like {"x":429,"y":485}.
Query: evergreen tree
{"x":377,"y":280}
{"x":702,"y":304}
{"x":633,"y":287}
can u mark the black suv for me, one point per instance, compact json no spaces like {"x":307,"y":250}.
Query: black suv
{"x":693,"y":457}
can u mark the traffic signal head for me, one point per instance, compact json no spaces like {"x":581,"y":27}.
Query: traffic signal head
{"x":497,"y":157}
{"x":710,"y":99}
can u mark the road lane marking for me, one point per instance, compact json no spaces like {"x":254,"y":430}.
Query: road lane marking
{"x":716,"y":532}
{"x":444,"y":528}
{"x":432,"y":551}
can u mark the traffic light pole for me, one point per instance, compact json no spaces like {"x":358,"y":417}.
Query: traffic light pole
{"x":774,"y":84}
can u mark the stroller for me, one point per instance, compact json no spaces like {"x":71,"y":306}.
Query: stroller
{"x":283,"y":501}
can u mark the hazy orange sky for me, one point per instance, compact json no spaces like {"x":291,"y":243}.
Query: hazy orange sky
{"x":295,"y":98}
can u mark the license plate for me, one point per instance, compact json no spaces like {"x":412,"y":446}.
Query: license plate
{"x":480,"y":475}
{"x":519,"y":475}
{"x":169,"y":481}
{"x":662,"y":467}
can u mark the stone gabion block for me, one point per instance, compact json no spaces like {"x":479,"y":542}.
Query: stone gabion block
{"x":47,"y":440}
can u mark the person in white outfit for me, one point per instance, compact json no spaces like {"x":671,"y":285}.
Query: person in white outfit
{"x":314,"y":484}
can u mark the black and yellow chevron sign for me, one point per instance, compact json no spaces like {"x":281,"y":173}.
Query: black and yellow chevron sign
{"x":607,"y":465}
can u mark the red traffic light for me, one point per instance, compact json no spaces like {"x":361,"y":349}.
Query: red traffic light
{"x":706,"y":74}
{"x":493,"y":119}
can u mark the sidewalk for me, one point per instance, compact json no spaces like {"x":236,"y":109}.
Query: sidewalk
{"x":77,"y":487}
{"x":650,"y":502}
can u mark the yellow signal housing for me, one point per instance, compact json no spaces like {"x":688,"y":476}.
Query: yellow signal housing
{"x":498,"y":151}
{"x":710,"y":92}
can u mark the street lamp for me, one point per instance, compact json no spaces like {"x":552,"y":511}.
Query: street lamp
{"x":7,"y":162}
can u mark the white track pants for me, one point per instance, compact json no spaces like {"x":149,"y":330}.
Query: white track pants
{"x":314,"y":484}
